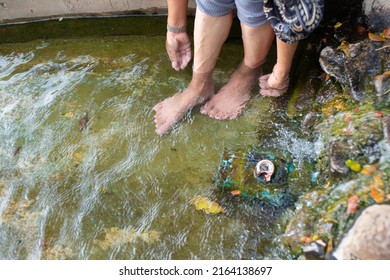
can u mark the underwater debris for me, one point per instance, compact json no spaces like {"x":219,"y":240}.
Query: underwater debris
{"x":118,"y":237}
{"x":83,"y":121}
{"x":264,"y":167}
{"x":206,"y":205}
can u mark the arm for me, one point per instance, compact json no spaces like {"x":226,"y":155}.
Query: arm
{"x":178,"y":44}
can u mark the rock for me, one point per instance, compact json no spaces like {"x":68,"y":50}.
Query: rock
{"x":369,"y":238}
{"x":386,"y":129}
{"x":382,"y":84}
{"x":352,"y":69}
{"x":315,"y":250}
{"x":362,"y":60}
{"x":377,"y":13}
{"x":309,"y":122}
{"x":333,"y":63}
{"x":337,"y":157}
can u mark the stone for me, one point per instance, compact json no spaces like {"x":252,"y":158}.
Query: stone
{"x":337,"y":158}
{"x":333,"y":63}
{"x":377,"y":13}
{"x":314,"y":251}
{"x":353,"y":69}
{"x":369,"y":237}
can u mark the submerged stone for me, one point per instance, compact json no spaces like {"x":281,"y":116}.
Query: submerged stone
{"x":237,"y":173}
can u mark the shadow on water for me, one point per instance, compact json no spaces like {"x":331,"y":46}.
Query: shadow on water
{"x":115,"y":190}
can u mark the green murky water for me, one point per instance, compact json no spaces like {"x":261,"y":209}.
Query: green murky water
{"x":116,"y":190}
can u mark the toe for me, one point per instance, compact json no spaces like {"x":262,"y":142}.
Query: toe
{"x":206,"y":108}
{"x":157,"y":107}
{"x":264,"y":78}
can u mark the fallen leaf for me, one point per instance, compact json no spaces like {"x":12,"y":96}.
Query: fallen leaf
{"x":326,"y":111}
{"x":305,"y":239}
{"x":387,"y":73}
{"x":377,"y":193}
{"x":69,"y":114}
{"x":352,"y":204}
{"x":337,"y":25}
{"x":208,"y":206}
{"x":201,"y":203}
{"x":353,"y":165}
{"x":378,"y":114}
{"x":347,"y":117}
{"x":340,"y":105}
{"x":235,"y":192}
{"x":377,"y":180}
{"x":369,"y":169}
{"x":344,"y":47}
{"x":327,"y":77}
{"x":329,"y":247}
{"x":386,"y":33}
{"x":361,"y":29}
{"x":214,"y":208}
{"x":375,"y":37}
{"x":356,"y":109}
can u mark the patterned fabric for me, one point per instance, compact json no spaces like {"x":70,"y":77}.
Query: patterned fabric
{"x":293,"y":20}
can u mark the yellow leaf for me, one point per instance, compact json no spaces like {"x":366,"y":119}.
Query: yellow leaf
{"x":329,"y":248}
{"x":337,"y":25}
{"x":69,"y":114}
{"x":378,"y":182}
{"x":344,"y":47}
{"x":214,"y":208}
{"x":201,"y":203}
{"x":208,"y":206}
{"x":340,"y":105}
{"x":387,"y":73}
{"x":325,"y":111}
{"x":375,"y":37}
{"x":369,"y":169}
{"x":353,"y":165}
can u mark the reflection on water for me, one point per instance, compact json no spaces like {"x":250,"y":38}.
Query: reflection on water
{"x":116,"y":190}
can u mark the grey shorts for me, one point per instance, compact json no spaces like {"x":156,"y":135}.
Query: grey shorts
{"x":249,"y":12}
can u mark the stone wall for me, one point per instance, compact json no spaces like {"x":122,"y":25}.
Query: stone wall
{"x":20,"y":10}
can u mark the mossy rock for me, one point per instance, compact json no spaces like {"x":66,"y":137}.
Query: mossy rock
{"x":236,"y":173}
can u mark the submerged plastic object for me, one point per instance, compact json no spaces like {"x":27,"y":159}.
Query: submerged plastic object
{"x":254,"y":175}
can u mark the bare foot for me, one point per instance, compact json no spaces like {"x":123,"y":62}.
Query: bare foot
{"x":230,"y":101}
{"x":271,"y":86}
{"x":171,"y":110}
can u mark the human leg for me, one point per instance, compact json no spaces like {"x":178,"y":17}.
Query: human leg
{"x":276,"y":83}
{"x":209,"y":35}
{"x":257,"y":36}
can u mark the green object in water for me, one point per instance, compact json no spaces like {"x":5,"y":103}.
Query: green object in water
{"x":237,"y":173}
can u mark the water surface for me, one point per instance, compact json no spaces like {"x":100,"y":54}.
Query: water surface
{"x":116,"y":190}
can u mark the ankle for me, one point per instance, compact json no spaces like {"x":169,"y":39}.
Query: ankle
{"x":280,"y":75}
{"x":201,"y":86}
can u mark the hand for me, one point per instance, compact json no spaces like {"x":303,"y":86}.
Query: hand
{"x":178,"y":46}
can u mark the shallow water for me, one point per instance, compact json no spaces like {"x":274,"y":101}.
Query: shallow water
{"x":116,"y":190}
